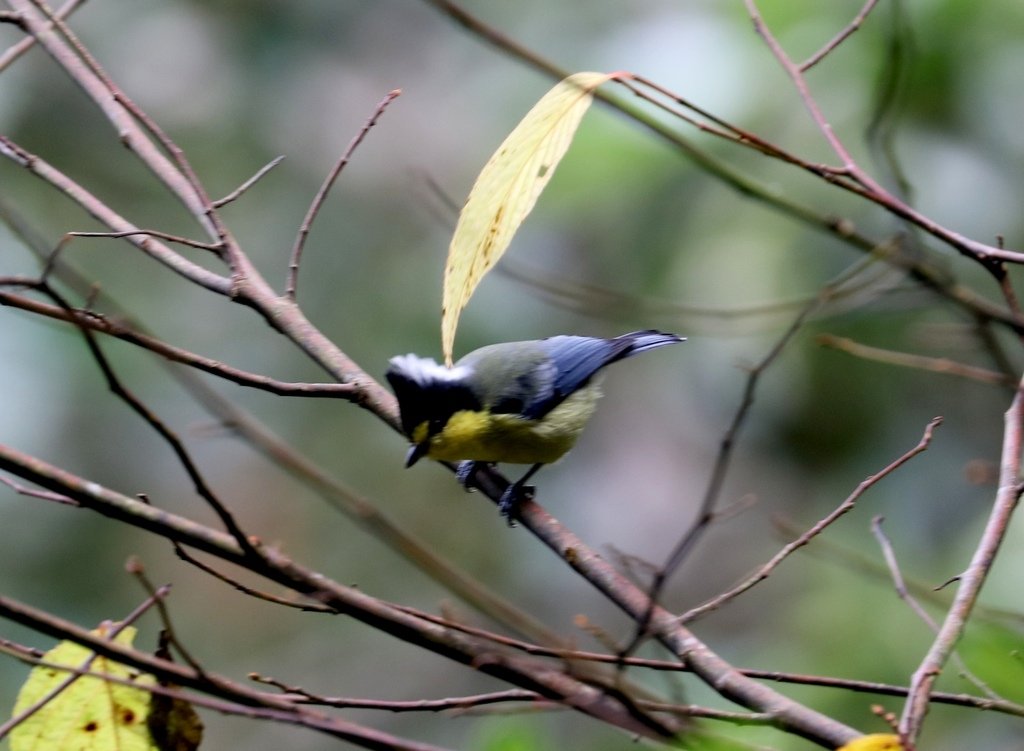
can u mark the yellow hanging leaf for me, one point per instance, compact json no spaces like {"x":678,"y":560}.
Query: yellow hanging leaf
{"x":91,"y":714}
{"x":507,"y":189}
{"x":874,"y":742}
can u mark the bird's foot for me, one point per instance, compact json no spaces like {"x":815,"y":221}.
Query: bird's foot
{"x":465,"y":474}
{"x":514,"y":495}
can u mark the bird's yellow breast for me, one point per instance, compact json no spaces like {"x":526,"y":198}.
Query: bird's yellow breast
{"x":486,"y":437}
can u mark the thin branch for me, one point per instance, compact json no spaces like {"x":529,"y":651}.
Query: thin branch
{"x":706,"y":511}
{"x":237,"y":192}
{"x":698,"y":656}
{"x":292,"y":282}
{"x":576,"y":658}
{"x":107,"y":216}
{"x":20,"y":48}
{"x":214,"y":247}
{"x":853,"y":559}
{"x":990,"y":257}
{"x":208,"y":218}
{"x":904,"y":594}
{"x":741,"y":719}
{"x":800,"y":84}
{"x":422,"y":705}
{"x":245,"y":285}
{"x":940,"y":365}
{"x":568,"y":293}
{"x":135,"y":568}
{"x":839,"y":38}
{"x":20,"y":651}
{"x":187,"y":557}
{"x":843,"y":508}
{"x":118,"y":329}
{"x":972,"y":579}
{"x":34,"y":493}
{"x":463,"y":703}
{"x":170,"y":438}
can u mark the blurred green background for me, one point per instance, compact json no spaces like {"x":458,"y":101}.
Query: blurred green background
{"x":239,"y":83}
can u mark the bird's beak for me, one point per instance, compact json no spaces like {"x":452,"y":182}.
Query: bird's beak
{"x":416,"y":452}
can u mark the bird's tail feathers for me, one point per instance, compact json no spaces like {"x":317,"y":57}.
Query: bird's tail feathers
{"x":636,"y":342}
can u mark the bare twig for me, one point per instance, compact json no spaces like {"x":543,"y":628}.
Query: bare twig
{"x":846,"y":506}
{"x":318,"y":201}
{"x":169,"y":437}
{"x":20,"y":48}
{"x":239,"y":421}
{"x":904,"y":594}
{"x":989,"y":256}
{"x":195,"y":196}
{"x":237,"y":192}
{"x":463,"y":703}
{"x":118,"y":329}
{"x":245,"y":285}
{"x":51,"y":34}
{"x":705,"y":513}
{"x":103,"y":213}
{"x":35,"y":493}
{"x":214,"y":247}
{"x":135,"y":568}
{"x":701,"y":659}
{"x":184,"y":555}
{"x":422,"y":705}
{"x":939,"y":365}
{"x":854,"y":560}
{"x":973,"y":577}
{"x":839,"y":38}
{"x":848,"y":165}
{"x":575,"y":658}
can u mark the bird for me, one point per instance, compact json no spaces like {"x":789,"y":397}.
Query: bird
{"x":514,"y":402}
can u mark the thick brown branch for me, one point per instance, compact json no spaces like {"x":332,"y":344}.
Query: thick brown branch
{"x":272,"y":707}
{"x":526,"y":673}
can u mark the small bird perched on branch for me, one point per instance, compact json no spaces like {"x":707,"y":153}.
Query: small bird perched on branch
{"x":516,"y":402}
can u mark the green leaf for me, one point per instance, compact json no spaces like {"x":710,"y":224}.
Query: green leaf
{"x":506,"y":191}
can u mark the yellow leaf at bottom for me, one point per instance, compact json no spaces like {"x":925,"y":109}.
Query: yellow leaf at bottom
{"x":874,"y":742}
{"x":91,"y":714}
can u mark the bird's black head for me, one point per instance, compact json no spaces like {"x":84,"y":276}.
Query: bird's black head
{"x":428,"y":395}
